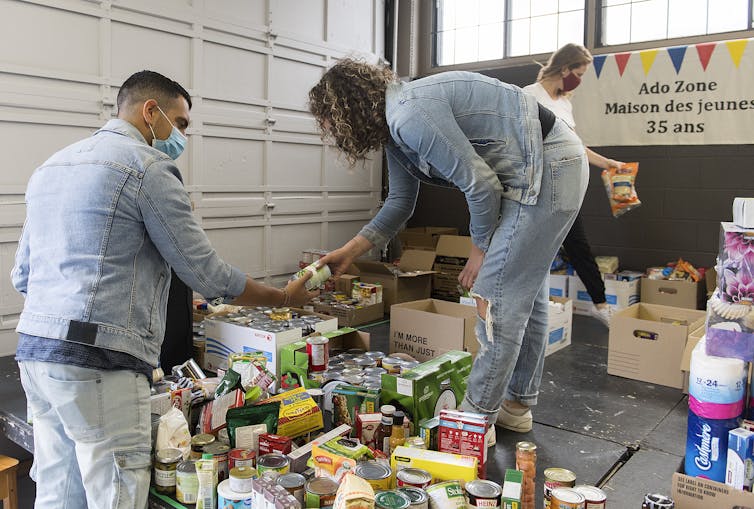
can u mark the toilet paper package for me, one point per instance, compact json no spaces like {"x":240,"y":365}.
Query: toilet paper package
{"x":707,"y":446}
{"x":717,"y":385}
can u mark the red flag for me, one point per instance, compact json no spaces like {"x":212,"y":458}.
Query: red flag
{"x":622,"y":59}
{"x":705,"y":52}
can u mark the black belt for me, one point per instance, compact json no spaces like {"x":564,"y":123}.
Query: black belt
{"x":546,"y":119}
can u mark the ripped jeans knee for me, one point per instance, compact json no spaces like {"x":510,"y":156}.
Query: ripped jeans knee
{"x":484,"y":311}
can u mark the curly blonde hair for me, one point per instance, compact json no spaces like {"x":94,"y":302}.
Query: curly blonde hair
{"x":349,"y":106}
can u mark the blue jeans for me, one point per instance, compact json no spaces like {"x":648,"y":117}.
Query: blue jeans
{"x":513,"y":280}
{"x":92,"y":438}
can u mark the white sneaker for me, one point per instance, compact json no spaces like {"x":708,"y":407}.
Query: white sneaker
{"x":518,"y":423}
{"x":604,"y":315}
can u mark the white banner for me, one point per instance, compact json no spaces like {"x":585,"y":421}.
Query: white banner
{"x":700,"y":94}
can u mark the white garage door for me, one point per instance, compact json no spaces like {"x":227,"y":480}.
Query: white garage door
{"x":263,"y":184}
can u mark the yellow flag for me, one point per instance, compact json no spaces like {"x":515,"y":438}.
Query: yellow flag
{"x":647,"y":59}
{"x":736,"y":50}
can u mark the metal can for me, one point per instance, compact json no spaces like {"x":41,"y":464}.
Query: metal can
{"x":415,"y":477}
{"x":317,"y":351}
{"x":273,"y":461}
{"x":198,"y":442}
{"x":657,"y":501}
{"x":415,"y":442}
{"x":378,"y":475}
{"x":294,"y":484}
{"x":319,"y":276}
{"x":219,"y":453}
{"x":241,"y":458}
{"x":392,"y":365}
{"x":241,"y":479}
{"x":320,"y":492}
{"x":557,"y":478}
{"x":165,"y":464}
{"x":417,"y":496}
{"x":566,"y":498}
{"x":446,"y":495}
{"x":483,"y":494}
{"x":391,"y":499}
{"x":594,"y":498}
{"x":187,"y":483}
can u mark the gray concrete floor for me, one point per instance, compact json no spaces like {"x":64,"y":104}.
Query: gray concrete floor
{"x":626,"y":436}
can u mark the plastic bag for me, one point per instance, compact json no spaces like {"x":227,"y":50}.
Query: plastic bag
{"x":620,"y":188}
{"x":173,"y":432}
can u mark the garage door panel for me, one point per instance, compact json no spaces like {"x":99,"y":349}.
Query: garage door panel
{"x":291,"y":81}
{"x":35,"y":92}
{"x":228,"y":114}
{"x":236,"y":161}
{"x":176,"y":9}
{"x":294,"y":164}
{"x":44,"y":38}
{"x":305,"y":20}
{"x":10,"y":300}
{"x":245,"y":13}
{"x":295,"y":122}
{"x":339,"y":172}
{"x":287,"y":243}
{"x":21,"y":158}
{"x":297,"y":203}
{"x":347,"y":202}
{"x":350,"y":24}
{"x":136,"y":48}
{"x":241,"y":247}
{"x":233,"y":73}
{"x":340,"y":232}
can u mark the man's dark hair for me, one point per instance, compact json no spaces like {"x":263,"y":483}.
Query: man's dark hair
{"x":145,"y":85}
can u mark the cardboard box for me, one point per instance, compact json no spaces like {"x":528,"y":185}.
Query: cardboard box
{"x":710,"y":279}
{"x":428,"y":388}
{"x":679,"y":294}
{"x":224,"y":338}
{"x":451,"y":254}
{"x":350,"y":317}
{"x":424,"y":237}
{"x":414,"y":283}
{"x":344,"y":283}
{"x":647,"y":340}
{"x":698,"y":493}
{"x":559,"y":285}
{"x":442,"y":466}
{"x":618,"y":294}
{"x":426,"y":328}
{"x":294,"y":363}
{"x":559,"y":325}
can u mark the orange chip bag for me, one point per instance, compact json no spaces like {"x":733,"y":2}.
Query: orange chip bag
{"x":620,"y":188}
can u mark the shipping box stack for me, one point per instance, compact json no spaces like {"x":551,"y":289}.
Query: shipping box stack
{"x":451,"y":255}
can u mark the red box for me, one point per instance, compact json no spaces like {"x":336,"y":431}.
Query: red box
{"x":464,"y":433}
{"x":269,"y":442}
{"x":366,"y":426}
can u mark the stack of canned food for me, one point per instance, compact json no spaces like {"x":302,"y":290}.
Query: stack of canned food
{"x":271,"y":319}
{"x":355,"y":367}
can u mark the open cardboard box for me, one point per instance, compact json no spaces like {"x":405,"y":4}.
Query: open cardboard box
{"x":619,"y":294}
{"x":559,"y":325}
{"x":414,"y":283}
{"x":698,"y":493}
{"x":424,"y":237}
{"x":647,"y":340}
{"x":427,"y":328}
{"x":694,"y":338}
{"x":451,"y":255}
{"x":353,"y":316}
{"x":679,"y":294}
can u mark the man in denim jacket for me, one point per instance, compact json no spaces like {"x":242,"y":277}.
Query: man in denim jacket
{"x":106,"y":219}
{"x":523,"y":173}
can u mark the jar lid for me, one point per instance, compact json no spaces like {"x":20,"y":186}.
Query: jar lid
{"x":169,"y":456}
{"x":526,"y":446}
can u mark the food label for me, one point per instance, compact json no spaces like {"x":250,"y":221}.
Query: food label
{"x":164,"y":477}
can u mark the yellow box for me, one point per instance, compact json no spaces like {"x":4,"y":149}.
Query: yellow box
{"x":442,"y":466}
{"x":298,"y":414}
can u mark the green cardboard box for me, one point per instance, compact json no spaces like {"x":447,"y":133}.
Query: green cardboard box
{"x":294,"y":362}
{"x":430,"y":387}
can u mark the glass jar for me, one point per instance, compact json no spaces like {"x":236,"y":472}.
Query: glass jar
{"x":526,"y":461}
{"x":198,"y":442}
{"x":165,"y":463}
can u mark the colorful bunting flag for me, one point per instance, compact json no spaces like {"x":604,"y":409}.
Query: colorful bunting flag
{"x":705,"y":50}
{"x":676,"y":56}
{"x":647,"y":59}
{"x":622,"y":59}
{"x":599,"y":61}
{"x":736,"y":50}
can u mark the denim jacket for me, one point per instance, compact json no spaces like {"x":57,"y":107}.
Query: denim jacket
{"x":106,"y":219}
{"x":463,"y":129}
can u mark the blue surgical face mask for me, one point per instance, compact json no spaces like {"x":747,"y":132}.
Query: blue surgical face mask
{"x":175,"y":143}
